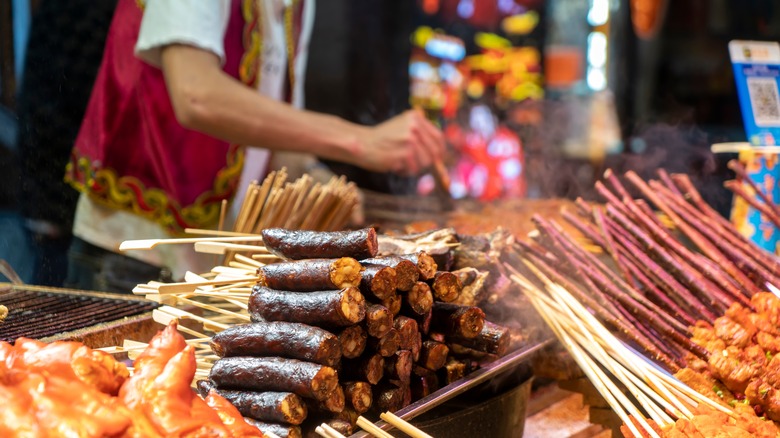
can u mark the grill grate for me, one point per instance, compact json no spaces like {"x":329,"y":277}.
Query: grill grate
{"x":35,"y":314}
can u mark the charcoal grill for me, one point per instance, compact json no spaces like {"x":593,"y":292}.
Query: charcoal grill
{"x":94,"y":318}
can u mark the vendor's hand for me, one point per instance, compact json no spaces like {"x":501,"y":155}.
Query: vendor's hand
{"x":406,"y":144}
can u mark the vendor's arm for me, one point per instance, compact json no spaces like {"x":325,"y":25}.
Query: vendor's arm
{"x":206,"y":99}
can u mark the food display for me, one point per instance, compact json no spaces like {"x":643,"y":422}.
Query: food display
{"x":340,"y":329}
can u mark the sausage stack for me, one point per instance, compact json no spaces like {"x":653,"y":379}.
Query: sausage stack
{"x":337,"y":332}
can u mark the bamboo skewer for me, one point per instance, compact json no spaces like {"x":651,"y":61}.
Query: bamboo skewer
{"x":403,"y":426}
{"x":661,"y":395}
{"x":143,"y":244}
{"x":372,"y":428}
{"x":325,"y":430}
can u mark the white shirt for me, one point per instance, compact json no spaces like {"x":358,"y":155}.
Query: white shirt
{"x":202,"y":24}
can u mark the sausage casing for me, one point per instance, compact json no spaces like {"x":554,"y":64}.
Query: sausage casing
{"x":306,"y":244}
{"x":278,"y":338}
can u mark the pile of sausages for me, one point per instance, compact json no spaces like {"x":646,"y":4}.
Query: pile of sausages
{"x":338,"y":331}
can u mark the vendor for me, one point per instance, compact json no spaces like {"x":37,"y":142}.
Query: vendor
{"x":183,"y":86}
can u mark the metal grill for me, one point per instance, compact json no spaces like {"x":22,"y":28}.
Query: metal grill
{"x":38,"y":314}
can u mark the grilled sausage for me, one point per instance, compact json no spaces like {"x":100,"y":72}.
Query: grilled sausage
{"x":278,"y":338}
{"x":455,"y":320}
{"x":311,"y":274}
{"x":399,"y":366}
{"x":419,"y":299}
{"x":378,"y":281}
{"x":324,"y":308}
{"x":274,"y":407}
{"x":387,"y":345}
{"x":433,"y":355}
{"x":305,"y":244}
{"x":406,"y":271}
{"x":378,"y":320}
{"x":446,"y":286}
{"x":493,"y":339}
{"x":353,"y":341}
{"x":306,"y":379}
{"x":359,"y":396}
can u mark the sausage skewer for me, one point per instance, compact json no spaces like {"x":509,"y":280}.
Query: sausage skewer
{"x":446,"y":286}
{"x":329,"y":308}
{"x":275,"y":407}
{"x":353,"y":341}
{"x":433,"y":355}
{"x":306,"y":379}
{"x":359,"y":396}
{"x":311,"y":274}
{"x":493,"y":339}
{"x":305,"y":244}
{"x":378,"y":320}
{"x":406,"y":271}
{"x":378,"y":281}
{"x":279,"y":338}
{"x":454,"y":320}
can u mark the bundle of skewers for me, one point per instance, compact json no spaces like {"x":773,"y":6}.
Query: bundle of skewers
{"x":333,"y":330}
{"x":679,"y":285}
{"x":648,"y":399}
{"x":299,"y":205}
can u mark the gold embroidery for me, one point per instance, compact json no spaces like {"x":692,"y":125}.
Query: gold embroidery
{"x":128,"y":193}
{"x":141,"y":4}
{"x":249,"y":68}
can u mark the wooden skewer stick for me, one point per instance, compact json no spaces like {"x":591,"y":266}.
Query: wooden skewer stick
{"x":403,"y":426}
{"x":180,"y":288}
{"x":223,"y":247}
{"x":332,"y":433}
{"x":270,"y":435}
{"x":143,"y":244}
{"x":372,"y":428}
{"x":205,"y":232}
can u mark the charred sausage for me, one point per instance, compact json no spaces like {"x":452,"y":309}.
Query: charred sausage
{"x":278,"y":338}
{"x":311,"y":274}
{"x":306,"y":379}
{"x":324,"y":308}
{"x":305,"y":244}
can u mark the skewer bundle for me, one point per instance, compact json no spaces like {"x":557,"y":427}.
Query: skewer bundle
{"x":655,"y":397}
{"x":659,"y":277}
{"x":299,"y":205}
